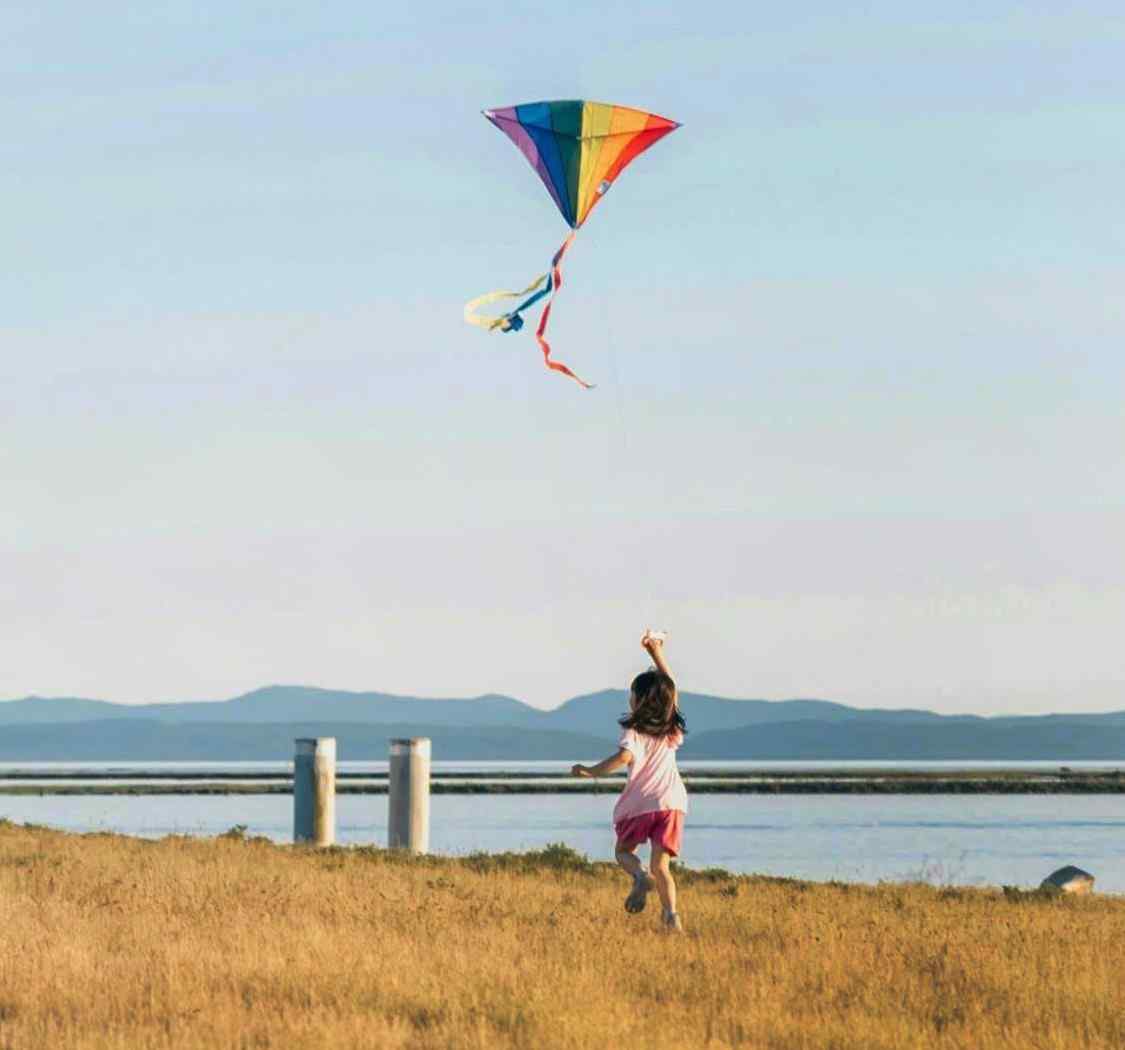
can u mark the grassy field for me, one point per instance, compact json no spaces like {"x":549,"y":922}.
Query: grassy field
{"x":108,"y":941}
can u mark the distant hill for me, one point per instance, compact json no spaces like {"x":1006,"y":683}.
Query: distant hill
{"x":597,"y":711}
{"x":261,"y":725}
{"x":977,"y":739}
{"x":594,"y":713}
{"x":282,"y":703}
{"x":143,"y":740}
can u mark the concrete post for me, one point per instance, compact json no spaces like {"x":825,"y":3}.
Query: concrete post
{"x":314,"y":791}
{"x":408,"y":795}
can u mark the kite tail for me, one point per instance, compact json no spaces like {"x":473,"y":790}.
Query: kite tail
{"x":544,"y":285}
{"x":555,"y":285}
{"x":509,"y":322}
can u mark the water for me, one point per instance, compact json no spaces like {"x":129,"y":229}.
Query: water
{"x":742,"y":766}
{"x":74,"y":773}
{"x":944,"y":839}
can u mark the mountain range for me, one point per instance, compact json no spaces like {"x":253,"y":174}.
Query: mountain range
{"x":261,"y":726}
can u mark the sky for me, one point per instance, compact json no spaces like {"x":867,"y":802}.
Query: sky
{"x":856,"y":331}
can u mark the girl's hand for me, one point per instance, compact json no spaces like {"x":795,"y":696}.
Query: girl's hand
{"x":652,"y":641}
{"x":578,"y":770}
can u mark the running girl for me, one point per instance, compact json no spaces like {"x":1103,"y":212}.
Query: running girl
{"x":653,"y":804}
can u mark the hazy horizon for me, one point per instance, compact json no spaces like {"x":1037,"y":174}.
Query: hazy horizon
{"x":855,"y":328}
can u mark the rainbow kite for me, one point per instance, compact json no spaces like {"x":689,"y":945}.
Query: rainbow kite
{"x":577,"y":148}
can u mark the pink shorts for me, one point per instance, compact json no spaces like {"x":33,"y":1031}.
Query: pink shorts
{"x":664,"y":828}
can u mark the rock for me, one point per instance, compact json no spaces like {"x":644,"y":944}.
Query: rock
{"x":1069,"y":880}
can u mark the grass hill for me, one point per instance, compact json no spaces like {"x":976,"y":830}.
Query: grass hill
{"x":184,"y":943}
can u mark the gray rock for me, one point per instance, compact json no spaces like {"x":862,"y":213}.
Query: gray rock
{"x":1069,"y":880}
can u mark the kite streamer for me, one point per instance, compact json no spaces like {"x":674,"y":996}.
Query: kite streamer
{"x":577,"y":149}
{"x":508,"y":322}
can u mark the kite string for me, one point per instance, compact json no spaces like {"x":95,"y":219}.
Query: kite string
{"x":628,"y":480}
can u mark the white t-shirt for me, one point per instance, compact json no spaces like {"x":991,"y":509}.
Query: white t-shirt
{"x":654,"y":780}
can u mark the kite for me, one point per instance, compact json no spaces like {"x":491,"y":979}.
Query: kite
{"x":578,"y":149}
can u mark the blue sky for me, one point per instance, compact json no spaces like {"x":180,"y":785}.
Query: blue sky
{"x":856,"y":330}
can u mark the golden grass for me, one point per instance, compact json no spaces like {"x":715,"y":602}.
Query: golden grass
{"x":112,"y":942}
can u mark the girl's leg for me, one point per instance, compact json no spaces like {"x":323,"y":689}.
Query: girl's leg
{"x":642,"y":881}
{"x":628,"y":859}
{"x":665,"y":883}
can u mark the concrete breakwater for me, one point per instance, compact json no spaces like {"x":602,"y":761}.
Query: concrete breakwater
{"x":710,"y":781}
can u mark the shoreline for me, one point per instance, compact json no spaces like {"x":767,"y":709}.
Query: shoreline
{"x":554,"y":856}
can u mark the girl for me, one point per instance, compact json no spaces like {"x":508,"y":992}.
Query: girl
{"x":654,"y":801}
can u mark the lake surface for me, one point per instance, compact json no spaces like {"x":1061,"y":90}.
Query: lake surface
{"x":218,"y":768}
{"x":942,"y":839}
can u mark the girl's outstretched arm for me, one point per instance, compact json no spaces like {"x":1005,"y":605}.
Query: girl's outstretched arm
{"x":618,"y":760}
{"x":654,"y":646}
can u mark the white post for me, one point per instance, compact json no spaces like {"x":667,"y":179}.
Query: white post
{"x":408,"y":795}
{"x":314,"y":791}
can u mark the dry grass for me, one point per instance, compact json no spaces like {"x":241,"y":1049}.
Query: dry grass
{"x":115,"y":942}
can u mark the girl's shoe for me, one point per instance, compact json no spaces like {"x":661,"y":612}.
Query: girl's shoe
{"x":672,"y":922}
{"x":638,"y":895}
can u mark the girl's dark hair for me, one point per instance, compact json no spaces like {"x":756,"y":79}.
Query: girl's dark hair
{"x":656,"y":713}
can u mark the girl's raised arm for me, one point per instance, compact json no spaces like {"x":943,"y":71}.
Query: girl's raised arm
{"x":653,"y":644}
